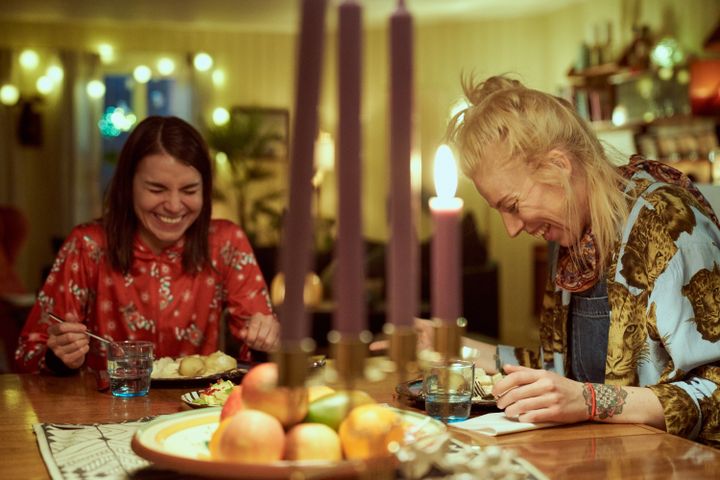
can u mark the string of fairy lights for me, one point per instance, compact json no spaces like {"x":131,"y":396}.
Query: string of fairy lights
{"x":41,"y":75}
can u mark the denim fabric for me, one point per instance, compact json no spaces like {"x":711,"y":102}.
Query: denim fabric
{"x":588,"y":333}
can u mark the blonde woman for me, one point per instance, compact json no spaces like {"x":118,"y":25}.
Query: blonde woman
{"x":630,"y":328}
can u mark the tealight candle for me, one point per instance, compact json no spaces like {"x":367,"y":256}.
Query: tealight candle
{"x":446,"y":210}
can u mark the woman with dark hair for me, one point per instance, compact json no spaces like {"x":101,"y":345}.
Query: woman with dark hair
{"x":155,"y":267}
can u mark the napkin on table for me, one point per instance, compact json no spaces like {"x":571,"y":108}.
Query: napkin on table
{"x":497,"y":423}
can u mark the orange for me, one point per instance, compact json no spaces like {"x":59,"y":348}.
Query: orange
{"x":369,"y":430}
{"x":312,"y":441}
{"x":214,"y":445}
{"x":249,"y":436}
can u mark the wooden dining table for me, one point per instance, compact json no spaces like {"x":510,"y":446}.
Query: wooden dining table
{"x":586,"y":450}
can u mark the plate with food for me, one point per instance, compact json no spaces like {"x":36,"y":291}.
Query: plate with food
{"x":212,"y":396}
{"x":412,"y":391}
{"x":216,"y":393}
{"x":186,"y":442}
{"x":197,"y":369}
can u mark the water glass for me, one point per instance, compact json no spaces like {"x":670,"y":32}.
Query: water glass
{"x":448,"y":387}
{"x":129,"y":368}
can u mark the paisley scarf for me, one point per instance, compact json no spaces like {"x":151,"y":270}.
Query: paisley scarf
{"x":581,"y":273}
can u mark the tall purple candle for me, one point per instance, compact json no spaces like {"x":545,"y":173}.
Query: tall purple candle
{"x":402,"y":288}
{"x":297,"y":229}
{"x":446,"y":285}
{"x":350,"y":312}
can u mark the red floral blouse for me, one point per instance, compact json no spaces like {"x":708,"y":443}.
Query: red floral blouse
{"x":156,"y":301}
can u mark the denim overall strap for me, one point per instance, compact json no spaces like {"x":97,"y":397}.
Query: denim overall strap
{"x":589,"y":322}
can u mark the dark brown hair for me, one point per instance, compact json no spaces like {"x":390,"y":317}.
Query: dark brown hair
{"x":180,"y":140}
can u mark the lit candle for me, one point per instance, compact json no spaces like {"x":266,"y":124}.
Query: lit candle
{"x":349,"y":280}
{"x":297,"y":230}
{"x":402,"y":273}
{"x":446,"y":209}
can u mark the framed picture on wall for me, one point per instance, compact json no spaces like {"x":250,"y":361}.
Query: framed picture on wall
{"x":255,"y":140}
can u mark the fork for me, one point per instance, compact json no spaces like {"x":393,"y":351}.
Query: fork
{"x":96,"y":337}
{"x":479,"y":390}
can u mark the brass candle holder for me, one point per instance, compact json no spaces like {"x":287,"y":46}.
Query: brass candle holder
{"x":403,"y":348}
{"x":349,"y":352}
{"x":292,"y":361}
{"x":448,"y":337}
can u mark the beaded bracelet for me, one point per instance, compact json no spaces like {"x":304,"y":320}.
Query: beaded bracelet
{"x":593,"y":410}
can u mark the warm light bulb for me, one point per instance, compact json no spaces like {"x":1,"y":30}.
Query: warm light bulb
{"x":106,"y":52}
{"x":415,"y":170}
{"x":95,"y":88}
{"x":165,"y":66}
{"x":445,"y":172}
{"x":220,"y":116}
{"x":203,"y":62}
{"x":44,"y":85}
{"x":55,"y":73}
{"x":619,"y":115}
{"x":324,"y":152}
{"x":9,"y":94}
{"x":683,"y":76}
{"x":142,"y":74}
{"x":221,"y":158}
{"x":459,"y":106}
{"x":665,"y":73}
{"x":29,"y":59}
{"x":218,"y":77}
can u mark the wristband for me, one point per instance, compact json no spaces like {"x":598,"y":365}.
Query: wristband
{"x":593,"y":408}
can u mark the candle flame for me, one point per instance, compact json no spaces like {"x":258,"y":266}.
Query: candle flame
{"x":445,"y":172}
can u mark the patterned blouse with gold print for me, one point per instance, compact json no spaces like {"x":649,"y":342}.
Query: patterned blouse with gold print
{"x":664,"y":294}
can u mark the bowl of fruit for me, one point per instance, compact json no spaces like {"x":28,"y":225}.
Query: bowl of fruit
{"x":266,"y":431}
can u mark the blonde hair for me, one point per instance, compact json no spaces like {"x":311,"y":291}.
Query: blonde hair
{"x":528,"y":125}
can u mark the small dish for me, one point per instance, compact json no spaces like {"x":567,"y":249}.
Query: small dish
{"x":190,"y":398}
{"x":412,"y":392}
{"x":214,"y":395}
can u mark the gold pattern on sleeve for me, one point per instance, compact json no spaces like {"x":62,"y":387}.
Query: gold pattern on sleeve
{"x":703,"y":293}
{"x":681,"y":414}
{"x":627,"y":335}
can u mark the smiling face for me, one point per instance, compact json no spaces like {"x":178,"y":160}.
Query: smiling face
{"x":528,"y":205}
{"x":167,"y":198}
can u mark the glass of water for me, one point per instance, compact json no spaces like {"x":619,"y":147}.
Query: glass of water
{"x":448,"y":387}
{"x":129,"y":368}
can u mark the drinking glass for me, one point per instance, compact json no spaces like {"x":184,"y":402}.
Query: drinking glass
{"x":448,"y":387}
{"x":129,"y":368}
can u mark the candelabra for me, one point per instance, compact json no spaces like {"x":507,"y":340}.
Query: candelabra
{"x":448,"y":335}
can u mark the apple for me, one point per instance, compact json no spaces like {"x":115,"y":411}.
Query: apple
{"x":312,"y":441}
{"x":317,"y":391}
{"x":260,"y":392}
{"x":333,"y":408}
{"x":233,"y":403}
{"x":249,"y":436}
